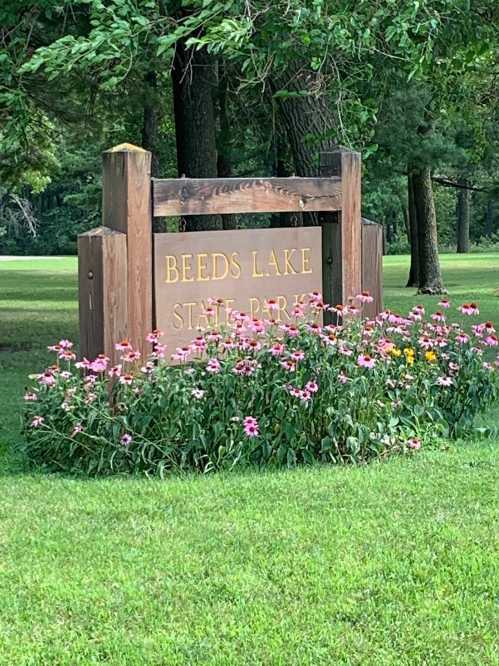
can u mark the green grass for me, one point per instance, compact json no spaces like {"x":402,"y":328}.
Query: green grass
{"x":392,"y":563}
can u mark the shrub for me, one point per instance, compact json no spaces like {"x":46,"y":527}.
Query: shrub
{"x":263,"y":392}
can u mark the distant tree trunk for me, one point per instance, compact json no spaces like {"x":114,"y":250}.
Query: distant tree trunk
{"x":463,"y":218}
{"x":430,"y":277}
{"x":150,"y":122}
{"x":413,"y":280}
{"x":489,"y":218}
{"x":307,"y":120}
{"x":224,"y":160}
{"x":280,"y":169}
{"x":194,"y":83}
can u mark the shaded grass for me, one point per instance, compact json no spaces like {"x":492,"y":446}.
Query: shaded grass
{"x":390,"y":563}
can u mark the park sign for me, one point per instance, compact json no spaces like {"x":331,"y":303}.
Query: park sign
{"x":132,"y":280}
{"x":240,"y":270}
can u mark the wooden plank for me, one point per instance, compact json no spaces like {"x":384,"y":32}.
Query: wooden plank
{"x":102,"y":268}
{"x":372,"y":267}
{"x":206,"y":196}
{"x":343,"y":250}
{"x":127,"y":208}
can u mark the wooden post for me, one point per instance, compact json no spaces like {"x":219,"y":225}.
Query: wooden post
{"x":102,"y":266}
{"x":372,"y":266}
{"x":126,"y":207}
{"x":341,"y":231}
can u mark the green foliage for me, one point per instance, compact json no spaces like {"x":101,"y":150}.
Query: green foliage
{"x":284,"y":395}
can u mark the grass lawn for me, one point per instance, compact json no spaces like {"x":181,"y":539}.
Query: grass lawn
{"x":391,"y":563}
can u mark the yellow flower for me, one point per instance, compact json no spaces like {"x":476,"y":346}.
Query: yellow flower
{"x":409,"y":360}
{"x":430,"y":356}
{"x":395,"y":351}
{"x":409,"y":351}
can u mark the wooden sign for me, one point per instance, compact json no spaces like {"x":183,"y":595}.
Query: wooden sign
{"x":243,"y":268}
{"x":126,"y":288}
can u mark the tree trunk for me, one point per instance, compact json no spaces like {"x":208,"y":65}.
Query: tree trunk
{"x":194,"y":84}
{"x":489,"y":218}
{"x":413,"y":280}
{"x":307,"y":121}
{"x":430,"y":277}
{"x":224,"y":159}
{"x":463,"y":218}
{"x":150,"y":122}
{"x":280,"y":169}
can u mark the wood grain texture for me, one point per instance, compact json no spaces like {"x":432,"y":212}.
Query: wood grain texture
{"x":346,"y":273}
{"x":127,"y":208}
{"x":102,"y":270}
{"x":206,"y":196}
{"x":372,"y":267}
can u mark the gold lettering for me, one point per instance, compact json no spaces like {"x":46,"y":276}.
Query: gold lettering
{"x":178,"y":316}
{"x":216,"y":275}
{"x":235,"y":266}
{"x":186,"y":268}
{"x":282,"y":304}
{"x":202,"y":267}
{"x":305,"y":260}
{"x":254,"y":306}
{"x":189,"y":307}
{"x":171,"y":267}
{"x":255,"y":272}
{"x":274,"y":262}
{"x":288,"y":266}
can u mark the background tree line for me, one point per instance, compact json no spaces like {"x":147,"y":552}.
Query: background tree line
{"x":254,"y":87}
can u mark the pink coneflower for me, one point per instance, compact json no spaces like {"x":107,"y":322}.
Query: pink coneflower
{"x":67,"y":355}
{"x":414,"y":443}
{"x":65,"y":344}
{"x":271,"y":304}
{"x":126,"y":379}
{"x":46,"y":378}
{"x":339,"y":310}
{"x":228,"y":344}
{"x":126,"y":439}
{"x":251,"y":428}
{"x":199,"y":343}
{"x":298,"y":310}
{"x":277,"y":349}
{"x":213,"y":366}
{"x":115,"y":371}
{"x":123,"y":345}
{"x":462,"y":338}
{"x":364,"y":297}
{"x":344,"y":350}
{"x":245,"y":367}
{"x":365,"y":361}
{"x":84,"y":364}
{"x":197,"y":393}
{"x":30,"y":396}
{"x":491,"y":340}
{"x":288,"y":365}
{"x":131,"y":356}
{"x":254,"y":345}
{"x":444,"y":381}
{"x":148,"y":368}
{"x":314,"y":328}
{"x":342,"y":378}
{"x":154,"y":336}
{"x":291,"y":330}
{"x":444,"y":303}
{"x":37,"y":421}
{"x":438,"y":316}
{"x":181,"y":353}
{"x":99,"y":364}
{"x":297,"y":355}
{"x":213,"y":336}
{"x":312,"y":386}
{"x":469,"y":309}
{"x":425,"y":342}
{"x":159,"y":350}
{"x":77,"y":429}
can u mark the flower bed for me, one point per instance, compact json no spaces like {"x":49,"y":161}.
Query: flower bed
{"x":263,"y":392}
